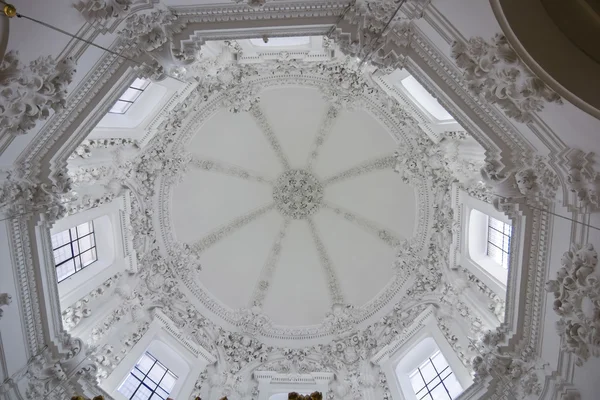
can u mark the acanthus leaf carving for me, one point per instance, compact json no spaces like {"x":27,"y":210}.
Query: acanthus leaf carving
{"x":534,"y":181}
{"x":101,"y":13}
{"x":583,"y":181}
{"x":147,"y":31}
{"x":21,"y":196}
{"x":29,"y":93}
{"x":577,"y":282}
{"x":518,"y":372}
{"x":494,"y":71}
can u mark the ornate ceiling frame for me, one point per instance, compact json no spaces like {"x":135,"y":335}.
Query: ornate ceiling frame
{"x":310,"y":77}
{"x":45,"y":161}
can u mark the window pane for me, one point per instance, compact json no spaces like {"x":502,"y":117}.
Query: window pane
{"x":60,"y":239}
{"x":129,"y":386}
{"x":162,"y":392}
{"x":65,"y":270}
{"x":168,"y":382}
{"x":143,"y":393}
{"x":496,"y":224}
{"x":417,"y":381}
{"x":453,"y":386}
{"x":130,"y":95}
{"x":428,"y":372}
{"x":433,"y":383}
{"x":138,"y":374}
{"x":495,"y":237}
{"x":140,"y":83}
{"x":120,"y":107}
{"x":84,"y":229}
{"x":88,"y":257}
{"x":150,"y":383}
{"x":151,"y":371}
{"x":439,"y":393}
{"x":86,"y":242}
{"x":495,"y":253}
{"x":145,"y":363}
{"x":62,"y":253}
{"x":77,"y":261}
{"x":506,"y":245}
{"x":156,"y":373}
{"x":439,"y":361}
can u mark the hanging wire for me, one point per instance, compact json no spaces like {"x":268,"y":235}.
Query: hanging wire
{"x":10,"y":11}
{"x":339,"y":19}
{"x":370,"y":54}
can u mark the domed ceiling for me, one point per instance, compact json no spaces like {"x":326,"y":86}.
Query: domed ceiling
{"x":293,"y":206}
{"x":285,"y":193}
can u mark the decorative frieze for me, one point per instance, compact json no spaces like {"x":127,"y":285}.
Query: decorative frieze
{"x":84,"y":150}
{"x":30,"y":92}
{"x":494,"y":71}
{"x":576,"y":292}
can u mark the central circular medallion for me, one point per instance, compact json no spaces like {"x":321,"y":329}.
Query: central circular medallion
{"x":297,"y":194}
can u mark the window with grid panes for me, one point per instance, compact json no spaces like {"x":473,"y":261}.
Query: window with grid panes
{"x":498,"y":243}
{"x":74,"y":249}
{"x":129,"y":96}
{"x":148,"y":380}
{"x":434,"y":380}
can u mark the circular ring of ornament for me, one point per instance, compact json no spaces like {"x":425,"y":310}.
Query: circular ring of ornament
{"x":297,"y":194}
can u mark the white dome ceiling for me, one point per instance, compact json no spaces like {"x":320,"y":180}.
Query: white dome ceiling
{"x":296,"y":200}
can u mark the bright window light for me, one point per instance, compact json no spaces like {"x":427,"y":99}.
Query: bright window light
{"x":148,"y":380}
{"x":74,"y":249}
{"x":498,"y":243}
{"x":129,"y":96}
{"x":427,"y":101}
{"x":434,"y":380}
{"x":282,"y":41}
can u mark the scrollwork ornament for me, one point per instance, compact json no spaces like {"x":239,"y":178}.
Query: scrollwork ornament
{"x":29,"y":93}
{"x":19,"y":196}
{"x":576,"y":292}
{"x":147,"y":32}
{"x":494,"y":71}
